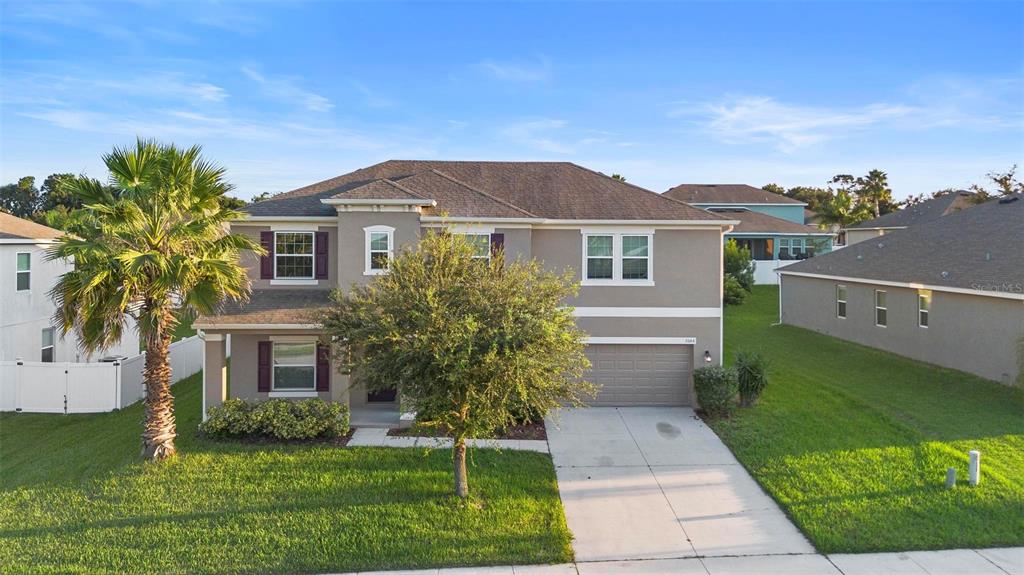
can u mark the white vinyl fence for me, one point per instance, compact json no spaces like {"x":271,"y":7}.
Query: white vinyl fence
{"x":32,"y":386}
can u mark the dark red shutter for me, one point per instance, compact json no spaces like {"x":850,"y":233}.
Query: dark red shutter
{"x":320,"y":254}
{"x":323,"y":367}
{"x":497,"y":244}
{"x":267,"y":260}
{"x":263,"y":366}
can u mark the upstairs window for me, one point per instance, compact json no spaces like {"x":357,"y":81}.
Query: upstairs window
{"x":24,"y":271}
{"x":881,"y":311}
{"x":47,"y":347}
{"x":841,"y":301}
{"x":600,"y":257}
{"x":924,"y":305}
{"x":617,"y":259}
{"x":293,"y":255}
{"x":380,"y":249}
{"x":481,"y":245}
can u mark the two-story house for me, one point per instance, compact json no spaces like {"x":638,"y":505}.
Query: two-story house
{"x":650,"y":269}
{"x":27,"y":332}
{"x":772,"y":226}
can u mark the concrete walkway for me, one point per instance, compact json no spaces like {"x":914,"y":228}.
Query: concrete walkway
{"x":656,"y":483}
{"x":378,"y":437}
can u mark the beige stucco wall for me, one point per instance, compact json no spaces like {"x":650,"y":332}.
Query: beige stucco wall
{"x":351,"y":240}
{"x":855,"y":236}
{"x":686,"y":269}
{"x":966,"y":332}
{"x":251,"y":262}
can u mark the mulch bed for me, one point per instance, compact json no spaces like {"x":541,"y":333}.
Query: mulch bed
{"x":534,"y":430}
{"x":340,"y":441}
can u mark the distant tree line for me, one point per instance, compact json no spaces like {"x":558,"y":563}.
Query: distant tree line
{"x":848,"y":200}
{"x":52,"y":203}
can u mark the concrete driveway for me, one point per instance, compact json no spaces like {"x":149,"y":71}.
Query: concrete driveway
{"x":656,"y":483}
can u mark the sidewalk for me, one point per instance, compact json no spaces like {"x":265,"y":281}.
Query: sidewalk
{"x":1007,"y":561}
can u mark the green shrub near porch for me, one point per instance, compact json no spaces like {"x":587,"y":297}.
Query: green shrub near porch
{"x":277,"y":419}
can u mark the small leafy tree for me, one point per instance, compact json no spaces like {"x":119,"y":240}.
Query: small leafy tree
{"x":469,"y":343}
{"x":732,"y":292}
{"x":738,"y":264}
{"x":716,"y":388}
{"x":152,"y":242}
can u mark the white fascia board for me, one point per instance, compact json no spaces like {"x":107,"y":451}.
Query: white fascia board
{"x":441,"y":220}
{"x":909,"y":285}
{"x":372,"y":202}
{"x":758,"y":234}
{"x":255,"y":326}
{"x":742,"y":204}
{"x":874,"y":229}
{"x":693,"y":312}
{"x":263,"y":220}
{"x":642,"y":340}
{"x":26,"y":241}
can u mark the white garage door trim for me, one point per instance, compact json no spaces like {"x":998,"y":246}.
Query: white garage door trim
{"x":626,"y":383}
{"x":643,"y":340}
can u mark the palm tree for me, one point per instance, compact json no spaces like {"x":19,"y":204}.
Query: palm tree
{"x":153,"y":245}
{"x":842,"y":210}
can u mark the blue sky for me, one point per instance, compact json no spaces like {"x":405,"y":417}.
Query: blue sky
{"x":287,"y":94}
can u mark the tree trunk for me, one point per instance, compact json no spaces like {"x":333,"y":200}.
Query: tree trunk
{"x":459,"y":461}
{"x":158,"y":430}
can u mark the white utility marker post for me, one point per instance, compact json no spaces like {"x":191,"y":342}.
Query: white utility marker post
{"x":974,"y":468}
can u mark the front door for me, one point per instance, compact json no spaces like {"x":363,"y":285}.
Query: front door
{"x":383,"y":396}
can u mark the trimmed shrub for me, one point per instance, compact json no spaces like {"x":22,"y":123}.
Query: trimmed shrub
{"x":277,"y":419}
{"x":751,"y":375}
{"x":732,"y":292}
{"x":716,"y":388}
{"x":738,"y":264}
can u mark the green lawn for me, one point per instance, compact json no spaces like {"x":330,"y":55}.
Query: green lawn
{"x":74,"y":500}
{"x":854,"y":442}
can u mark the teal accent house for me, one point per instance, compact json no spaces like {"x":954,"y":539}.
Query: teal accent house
{"x":771,"y":225}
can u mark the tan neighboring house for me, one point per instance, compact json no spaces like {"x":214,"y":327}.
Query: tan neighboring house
{"x":649,"y":267}
{"x":949,"y":291}
{"x":926,"y":211}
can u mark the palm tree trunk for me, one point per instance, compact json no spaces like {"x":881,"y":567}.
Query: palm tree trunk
{"x":459,"y":462}
{"x":158,"y":430}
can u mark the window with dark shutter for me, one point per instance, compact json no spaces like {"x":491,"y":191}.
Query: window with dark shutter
{"x":267,"y":259}
{"x":263,"y":366}
{"x":497,"y":244}
{"x":321,"y":254}
{"x":323,"y":368}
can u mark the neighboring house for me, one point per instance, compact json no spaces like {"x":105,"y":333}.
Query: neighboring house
{"x":949,"y":291}
{"x":650,"y":269}
{"x":926,"y":211}
{"x":771,"y":225}
{"x":26,"y":310}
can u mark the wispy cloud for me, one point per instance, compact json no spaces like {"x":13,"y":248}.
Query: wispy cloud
{"x":371,"y":97}
{"x":286,"y":89}
{"x":788,"y":127}
{"x":538,"y":134}
{"x":534,"y":70}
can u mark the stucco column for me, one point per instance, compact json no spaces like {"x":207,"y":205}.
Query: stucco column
{"x":215,"y":371}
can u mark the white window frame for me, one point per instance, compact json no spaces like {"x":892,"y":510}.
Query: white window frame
{"x":617,"y":279}
{"x":924,"y":312}
{"x":311,"y":255}
{"x":368,"y":234}
{"x":28,"y":272}
{"x":291,"y":392}
{"x":884,"y":308}
{"x":485,"y":234}
{"x":841,"y":301}
{"x":52,"y":347}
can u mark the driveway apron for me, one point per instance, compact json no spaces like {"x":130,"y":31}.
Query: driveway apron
{"x":657,"y":483}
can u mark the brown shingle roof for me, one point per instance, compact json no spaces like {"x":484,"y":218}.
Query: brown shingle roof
{"x":555,"y":190}
{"x":926,"y":211}
{"x":726,"y":194}
{"x":15,"y":228}
{"x":979,"y":248}
{"x":379,"y":190}
{"x":278,"y":306}
{"x":756,"y":222}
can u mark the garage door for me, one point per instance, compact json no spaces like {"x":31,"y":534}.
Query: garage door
{"x":641,"y":374}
